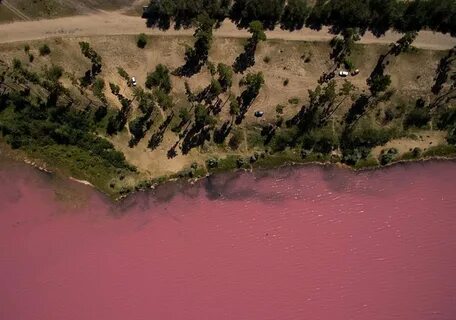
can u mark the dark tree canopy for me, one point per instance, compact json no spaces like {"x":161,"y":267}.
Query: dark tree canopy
{"x":159,"y":79}
{"x":294,"y":15}
{"x":196,"y":57}
{"x":243,"y":12}
{"x":183,"y":13}
{"x":377,"y":16}
{"x":247,"y":58}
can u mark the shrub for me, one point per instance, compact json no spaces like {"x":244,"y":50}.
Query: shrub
{"x":388,"y":156}
{"x":417,"y":152}
{"x":267,"y":59}
{"x":286,"y":82}
{"x":17,"y":64}
{"x":211,"y":68}
{"x":142,"y":41}
{"x":27,"y":48}
{"x":235,"y":140}
{"x":31,"y":57}
{"x":294,"y":100}
{"x":325,"y":141}
{"x":121,"y":71}
{"x":54,"y":73}
{"x":164,"y":100}
{"x":184,"y":115}
{"x":452,"y":136}
{"x":447,"y":119}
{"x":212,"y":163}
{"x":417,"y":118}
{"x":279,"y":108}
{"x":44,"y":50}
{"x":283,"y":139}
{"x":349,"y":65}
{"x":115,"y":89}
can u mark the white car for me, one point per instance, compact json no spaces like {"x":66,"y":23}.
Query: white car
{"x":133,"y":81}
{"x":343,"y":73}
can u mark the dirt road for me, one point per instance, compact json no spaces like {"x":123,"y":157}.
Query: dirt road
{"x":115,"y":23}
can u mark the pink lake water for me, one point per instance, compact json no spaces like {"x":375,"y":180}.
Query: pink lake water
{"x":301,"y":243}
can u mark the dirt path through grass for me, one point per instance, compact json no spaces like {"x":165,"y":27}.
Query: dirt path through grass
{"x":115,"y":23}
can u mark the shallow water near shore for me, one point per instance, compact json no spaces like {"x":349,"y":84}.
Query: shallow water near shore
{"x":292,"y":243}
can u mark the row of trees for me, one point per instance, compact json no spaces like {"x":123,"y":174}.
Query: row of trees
{"x":375,"y":15}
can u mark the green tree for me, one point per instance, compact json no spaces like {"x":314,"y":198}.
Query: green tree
{"x":184,"y":115}
{"x":294,"y":15}
{"x":159,"y":79}
{"x":247,"y":59}
{"x":115,"y":89}
{"x":98,"y":89}
{"x":202,"y":117}
{"x":234,"y":107}
{"x":378,"y":83}
{"x":268,"y":12}
{"x":196,"y":57}
{"x":225,"y":76}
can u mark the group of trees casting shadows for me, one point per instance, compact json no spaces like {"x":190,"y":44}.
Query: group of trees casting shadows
{"x":377,"y":16}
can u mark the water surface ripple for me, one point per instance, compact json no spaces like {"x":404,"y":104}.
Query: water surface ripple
{"x":295,"y":243}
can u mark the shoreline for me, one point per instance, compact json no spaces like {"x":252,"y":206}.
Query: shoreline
{"x":192,"y":181}
{"x":143,"y":185}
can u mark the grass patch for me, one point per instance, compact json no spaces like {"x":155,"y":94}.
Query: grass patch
{"x":80,"y":164}
{"x":226,"y":164}
{"x":369,"y":162}
{"x":443,"y":150}
{"x":278,"y":159}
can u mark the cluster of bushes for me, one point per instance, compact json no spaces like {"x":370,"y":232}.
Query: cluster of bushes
{"x":40,"y":125}
{"x":42,"y":119}
{"x":357,"y":144}
{"x":447,"y":121}
{"x":375,"y":15}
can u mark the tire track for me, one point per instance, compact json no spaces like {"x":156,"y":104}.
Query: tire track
{"x":16,"y":11}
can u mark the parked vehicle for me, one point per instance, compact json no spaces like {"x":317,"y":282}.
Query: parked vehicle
{"x":355,"y":72}
{"x":133,"y":81}
{"x":259,"y":114}
{"x":344,"y":73}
